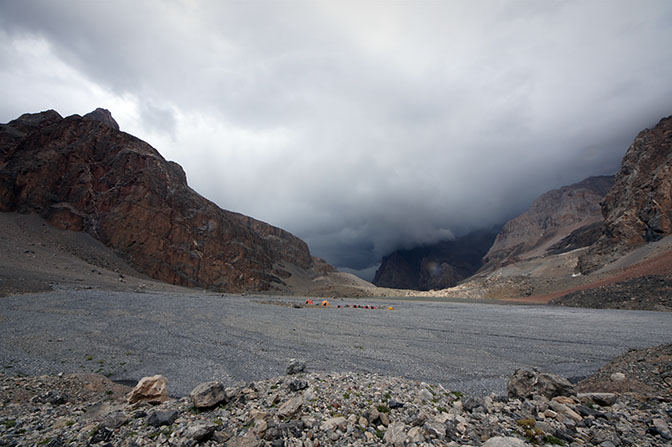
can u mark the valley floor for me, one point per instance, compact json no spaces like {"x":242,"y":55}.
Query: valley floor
{"x":196,"y":336}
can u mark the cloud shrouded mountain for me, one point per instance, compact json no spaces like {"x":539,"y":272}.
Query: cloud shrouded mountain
{"x":359,"y":126}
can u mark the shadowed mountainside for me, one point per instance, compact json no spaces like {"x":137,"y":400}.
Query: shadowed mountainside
{"x":436,"y":266}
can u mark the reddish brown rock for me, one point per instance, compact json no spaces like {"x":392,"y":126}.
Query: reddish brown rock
{"x":153,"y":390}
{"x":83,"y":174}
{"x":552,"y":216}
{"x":638,"y":209}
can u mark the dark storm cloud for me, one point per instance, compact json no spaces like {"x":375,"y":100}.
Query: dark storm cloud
{"x":360,"y":126}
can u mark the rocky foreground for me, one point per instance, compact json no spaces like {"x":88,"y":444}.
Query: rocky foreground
{"x":343,"y":409}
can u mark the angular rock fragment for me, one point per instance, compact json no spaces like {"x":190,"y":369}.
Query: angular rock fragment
{"x":162,"y":417}
{"x":200,"y":431}
{"x":525,"y":383}
{"x":291,"y":407}
{"x":152,"y":390}
{"x":295,"y":366}
{"x":208,"y":394}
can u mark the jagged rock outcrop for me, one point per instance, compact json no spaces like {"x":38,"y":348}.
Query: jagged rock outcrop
{"x":104,"y":116}
{"x":638,"y":209}
{"x":552,"y":216}
{"x":83,"y":174}
{"x":436,"y":266}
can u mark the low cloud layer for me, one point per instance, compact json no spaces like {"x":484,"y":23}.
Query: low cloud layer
{"x":361,"y":127}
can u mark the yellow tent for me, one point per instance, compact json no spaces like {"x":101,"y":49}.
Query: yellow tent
{"x":324,"y":303}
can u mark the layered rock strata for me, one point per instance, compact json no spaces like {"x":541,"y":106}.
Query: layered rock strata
{"x":83,"y":174}
{"x":552,"y":217}
{"x":638,"y":209}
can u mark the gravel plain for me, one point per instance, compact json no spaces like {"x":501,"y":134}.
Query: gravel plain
{"x":195,"y":337}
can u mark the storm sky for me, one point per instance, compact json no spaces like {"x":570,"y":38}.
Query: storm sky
{"x":359,"y":126}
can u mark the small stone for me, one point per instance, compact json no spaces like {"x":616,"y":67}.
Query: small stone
{"x":159,"y":418}
{"x":153,"y":390}
{"x":416,"y":435}
{"x":309,"y":394}
{"x":500,"y":441}
{"x":617,"y":377}
{"x":451,"y":430}
{"x":419,"y":419}
{"x":113,"y":420}
{"x":396,"y":434}
{"x":470,"y":403}
{"x":260,"y":426}
{"x":384,"y":419}
{"x":393,"y":404}
{"x":334,"y":423}
{"x":550,"y":414}
{"x":208,"y":395}
{"x":297,"y":385}
{"x":363,"y":421}
{"x":662,"y":427}
{"x":241,"y":441}
{"x":200,"y":431}
{"x":290,"y":407}
{"x":565,"y":411}
{"x":373,"y":415}
{"x":102,"y":435}
{"x":425,"y":394}
{"x":295,"y":366}
{"x":258,"y":414}
{"x":602,"y":399}
{"x":436,"y":429}
{"x":51,"y":397}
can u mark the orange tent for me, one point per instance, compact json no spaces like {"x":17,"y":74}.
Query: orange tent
{"x":324,"y":303}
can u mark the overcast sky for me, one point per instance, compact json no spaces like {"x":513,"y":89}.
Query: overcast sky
{"x":359,"y":126}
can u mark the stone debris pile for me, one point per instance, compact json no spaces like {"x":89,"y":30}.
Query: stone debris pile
{"x":339,"y":409}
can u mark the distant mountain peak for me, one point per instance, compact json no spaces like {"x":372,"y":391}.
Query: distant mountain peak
{"x":104,"y":116}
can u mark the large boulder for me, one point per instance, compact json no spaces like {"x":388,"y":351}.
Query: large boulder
{"x":525,"y":383}
{"x":208,"y":394}
{"x":152,"y":390}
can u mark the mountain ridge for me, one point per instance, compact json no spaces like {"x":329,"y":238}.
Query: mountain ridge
{"x":83,"y":174}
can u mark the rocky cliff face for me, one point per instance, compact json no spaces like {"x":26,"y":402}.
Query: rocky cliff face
{"x":436,"y":266}
{"x":553,"y":216}
{"x":83,"y":174}
{"x":638,"y":209}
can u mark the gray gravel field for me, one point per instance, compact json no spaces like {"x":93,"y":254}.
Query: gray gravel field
{"x":192,"y":338}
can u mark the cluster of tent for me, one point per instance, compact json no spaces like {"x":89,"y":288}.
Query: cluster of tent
{"x":326,"y":303}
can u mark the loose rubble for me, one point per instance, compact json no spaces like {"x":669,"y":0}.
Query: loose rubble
{"x":339,"y":409}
